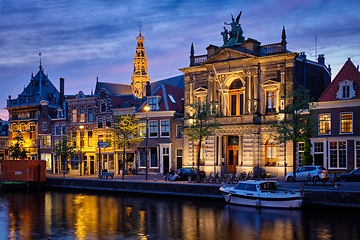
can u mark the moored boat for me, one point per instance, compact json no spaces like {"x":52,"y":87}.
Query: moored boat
{"x":261,"y":194}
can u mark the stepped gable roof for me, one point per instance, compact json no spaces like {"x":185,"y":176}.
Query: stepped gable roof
{"x":347,"y":72}
{"x":177,"y":81}
{"x":40,"y":85}
{"x":113,"y":88}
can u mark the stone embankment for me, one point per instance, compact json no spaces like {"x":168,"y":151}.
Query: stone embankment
{"x":313,"y":195}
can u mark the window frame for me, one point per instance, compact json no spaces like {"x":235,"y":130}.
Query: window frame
{"x":273,"y":147}
{"x":44,"y":126}
{"x":166,"y":127}
{"x":90,"y":115}
{"x":321,"y":122}
{"x":351,"y":123}
{"x":152,"y":103}
{"x":337,"y":149}
{"x":82,"y":115}
{"x":74,"y":116}
{"x":153,"y":127}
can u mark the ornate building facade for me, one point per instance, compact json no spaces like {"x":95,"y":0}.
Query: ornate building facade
{"x":247,"y":82}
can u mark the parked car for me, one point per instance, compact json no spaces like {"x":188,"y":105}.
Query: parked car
{"x":354,"y":175}
{"x":310,"y":173}
{"x":190,"y":174}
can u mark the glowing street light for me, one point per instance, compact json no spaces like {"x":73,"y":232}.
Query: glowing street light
{"x":146,"y":108}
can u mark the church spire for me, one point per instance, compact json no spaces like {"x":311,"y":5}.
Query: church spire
{"x":140,"y":76}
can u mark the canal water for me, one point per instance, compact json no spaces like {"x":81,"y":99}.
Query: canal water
{"x":99,"y":215}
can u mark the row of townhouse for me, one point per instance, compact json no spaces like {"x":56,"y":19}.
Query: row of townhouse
{"x":43,"y":121}
{"x":244,"y":80}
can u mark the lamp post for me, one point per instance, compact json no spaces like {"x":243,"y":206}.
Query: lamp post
{"x":81,"y":145}
{"x":146,"y":108}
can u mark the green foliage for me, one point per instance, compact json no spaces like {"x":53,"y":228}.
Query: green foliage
{"x":297,"y":118}
{"x":307,"y":158}
{"x":16,"y":148}
{"x":65,"y":148}
{"x":126,"y":132}
{"x":201,"y":123}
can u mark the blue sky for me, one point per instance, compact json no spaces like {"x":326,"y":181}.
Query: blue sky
{"x":83,"y":39}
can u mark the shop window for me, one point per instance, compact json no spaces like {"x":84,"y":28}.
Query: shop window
{"x":337,"y":154}
{"x":153,"y":158}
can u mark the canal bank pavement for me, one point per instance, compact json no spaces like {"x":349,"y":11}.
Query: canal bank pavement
{"x":282,"y":184}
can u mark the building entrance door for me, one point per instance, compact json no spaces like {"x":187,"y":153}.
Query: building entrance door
{"x":232,"y":153}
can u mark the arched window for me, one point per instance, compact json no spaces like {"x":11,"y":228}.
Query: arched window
{"x":236,"y":98}
{"x":270,"y":153}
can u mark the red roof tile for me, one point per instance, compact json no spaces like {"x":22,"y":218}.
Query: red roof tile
{"x":349,"y":72}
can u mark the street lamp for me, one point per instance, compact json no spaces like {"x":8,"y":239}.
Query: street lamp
{"x":146,"y":108}
{"x":81,"y":145}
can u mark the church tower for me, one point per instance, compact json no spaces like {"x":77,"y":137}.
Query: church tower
{"x":140,"y":77}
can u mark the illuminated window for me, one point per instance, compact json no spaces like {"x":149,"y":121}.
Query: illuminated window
{"x":142,"y":129}
{"x":271,"y":102}
{"x":74,"y":115}
{"x":270,"y":153}
{"x":165,"y":128}
{"x":346,"y":122}
{"x":153,"y":128}
{"x":337,"y":154}
{"x":45,"y":141}
{"x":82,"y":115}
{"x":236,"y":95}
{"x":90,"y":138}
{"x":324,"y":123}
{"x":82,"y":134}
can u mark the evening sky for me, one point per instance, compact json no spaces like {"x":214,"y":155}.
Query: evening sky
{"x":81,"y":40}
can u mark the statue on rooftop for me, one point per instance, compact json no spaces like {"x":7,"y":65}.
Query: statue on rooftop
{"x":236,"y":33}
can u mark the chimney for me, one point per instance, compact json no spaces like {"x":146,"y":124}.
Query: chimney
{"x":321,"y":59}
{"x":192,"y":56}
{"x":148,"y":89}
{"x":62,"y":97}
{"x":302,"y":54}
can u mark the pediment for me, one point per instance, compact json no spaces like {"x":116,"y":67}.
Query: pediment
{"x":200,"y":91}
{"x":227,"y":54}
{"x":80,"y":95}
{"x":271,"y":83}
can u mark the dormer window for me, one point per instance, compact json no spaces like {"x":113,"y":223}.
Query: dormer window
{"x":346,"y":90}
{"x":153,"y":103}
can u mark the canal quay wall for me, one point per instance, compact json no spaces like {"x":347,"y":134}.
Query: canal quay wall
{"x":313,"y":195}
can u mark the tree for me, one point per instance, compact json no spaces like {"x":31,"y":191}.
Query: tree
{"x":201,"y":124}
{"x":64,"y":149}
{"x":126,"y":130}
{"x":16,"y":148}
{"x":296,"y":120}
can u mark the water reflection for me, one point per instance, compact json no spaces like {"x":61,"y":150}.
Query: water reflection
{"x":72,"y":215}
